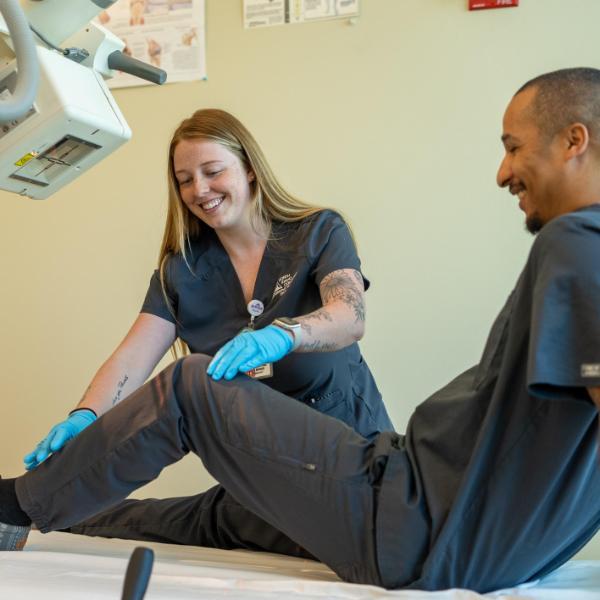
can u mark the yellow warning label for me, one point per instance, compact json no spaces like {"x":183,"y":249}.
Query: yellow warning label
{"x":25,"y":159}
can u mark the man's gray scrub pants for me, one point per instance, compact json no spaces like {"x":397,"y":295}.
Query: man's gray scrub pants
{"x":308,"y":475}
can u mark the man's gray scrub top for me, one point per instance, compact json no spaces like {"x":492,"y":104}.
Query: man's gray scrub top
{"x":209,"y":310}
{"x":502,"y":464}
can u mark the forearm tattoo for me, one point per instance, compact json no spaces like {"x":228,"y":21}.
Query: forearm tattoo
{"x":319,"y":346}
{"x":343,"y":286}
{"x":347,"y":288}
{"x":316,"y":345}
{"x":120,"y":387}
{"x":318,"y":315}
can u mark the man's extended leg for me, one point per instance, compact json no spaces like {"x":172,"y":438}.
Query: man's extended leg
{"x":212,"y":519}
{"x":306,"y":474}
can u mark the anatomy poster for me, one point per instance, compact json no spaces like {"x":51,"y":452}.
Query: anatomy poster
{"x":169,"y":34}
{"x":264,"y":13}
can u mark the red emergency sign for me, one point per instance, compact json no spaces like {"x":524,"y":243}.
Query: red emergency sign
{"x":481,"y":4}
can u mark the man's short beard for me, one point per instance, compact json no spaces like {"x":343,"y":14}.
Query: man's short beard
{"x":534,"y":224}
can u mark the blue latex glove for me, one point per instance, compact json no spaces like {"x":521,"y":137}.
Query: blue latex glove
{"x":59,"y":435}
{"x":249,"y":350}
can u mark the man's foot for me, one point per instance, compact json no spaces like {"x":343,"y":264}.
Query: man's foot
{"x":14,"y":523}
{"x":13,"y":537}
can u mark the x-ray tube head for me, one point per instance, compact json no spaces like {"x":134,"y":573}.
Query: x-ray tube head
{"x":73,"y":124}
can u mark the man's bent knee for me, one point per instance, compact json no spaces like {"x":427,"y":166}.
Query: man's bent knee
{"x":195,"y":361}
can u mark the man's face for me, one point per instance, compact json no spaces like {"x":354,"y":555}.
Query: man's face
{"x":533,"y":166}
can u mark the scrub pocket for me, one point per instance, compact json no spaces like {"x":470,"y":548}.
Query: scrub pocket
{"x":331,"y":403}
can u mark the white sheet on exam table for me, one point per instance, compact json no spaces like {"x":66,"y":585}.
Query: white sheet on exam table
{"x":60,"y":566}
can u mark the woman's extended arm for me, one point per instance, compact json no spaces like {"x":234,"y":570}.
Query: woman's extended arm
{"x":125,"y":370}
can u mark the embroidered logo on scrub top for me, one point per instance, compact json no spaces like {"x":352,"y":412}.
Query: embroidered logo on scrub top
{"x":590,"y":370}
{"x":283,"y":283}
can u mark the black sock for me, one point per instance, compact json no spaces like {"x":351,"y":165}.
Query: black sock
{"x":10,"y":509}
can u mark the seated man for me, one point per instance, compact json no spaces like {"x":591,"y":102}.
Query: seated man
{"x":497,"y":480}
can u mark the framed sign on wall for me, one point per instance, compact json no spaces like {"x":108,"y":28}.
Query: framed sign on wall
{"x":483,"y":4}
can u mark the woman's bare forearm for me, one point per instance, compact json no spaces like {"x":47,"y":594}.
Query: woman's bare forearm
{"x":113,"y":382}
{"x":130,"y":364}
{"x":341,"y":320}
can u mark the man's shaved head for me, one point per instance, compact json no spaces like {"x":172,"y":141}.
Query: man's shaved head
{"x":565,"y":97}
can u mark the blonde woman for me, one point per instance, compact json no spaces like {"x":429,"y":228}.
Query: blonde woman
{"x":268,"y":285}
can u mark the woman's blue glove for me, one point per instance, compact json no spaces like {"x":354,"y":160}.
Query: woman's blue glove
{"x":59,"y":435}
{"x":249,"y":350}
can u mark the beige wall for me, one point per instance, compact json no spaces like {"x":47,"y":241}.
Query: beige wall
{"x":394,"y":120}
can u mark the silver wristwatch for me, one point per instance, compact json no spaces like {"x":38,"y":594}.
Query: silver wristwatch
{"x":292,"y":326}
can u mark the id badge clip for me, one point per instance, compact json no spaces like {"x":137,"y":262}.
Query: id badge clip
{"x":255,"y":309}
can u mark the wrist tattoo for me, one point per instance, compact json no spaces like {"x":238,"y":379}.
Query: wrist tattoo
{"x":306,"y":327}
{"x":120,"y":386}
{"x":319,"y":346}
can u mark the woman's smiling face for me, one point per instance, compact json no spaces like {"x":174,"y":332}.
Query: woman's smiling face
{"x":213,"y":183}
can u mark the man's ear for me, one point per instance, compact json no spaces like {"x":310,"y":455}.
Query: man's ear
{"x":577,"y":137}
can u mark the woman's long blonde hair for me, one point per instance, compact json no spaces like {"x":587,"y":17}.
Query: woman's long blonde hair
{"x":270,"y":201}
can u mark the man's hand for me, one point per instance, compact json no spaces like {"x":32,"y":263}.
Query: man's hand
{"x":59,"y":435}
